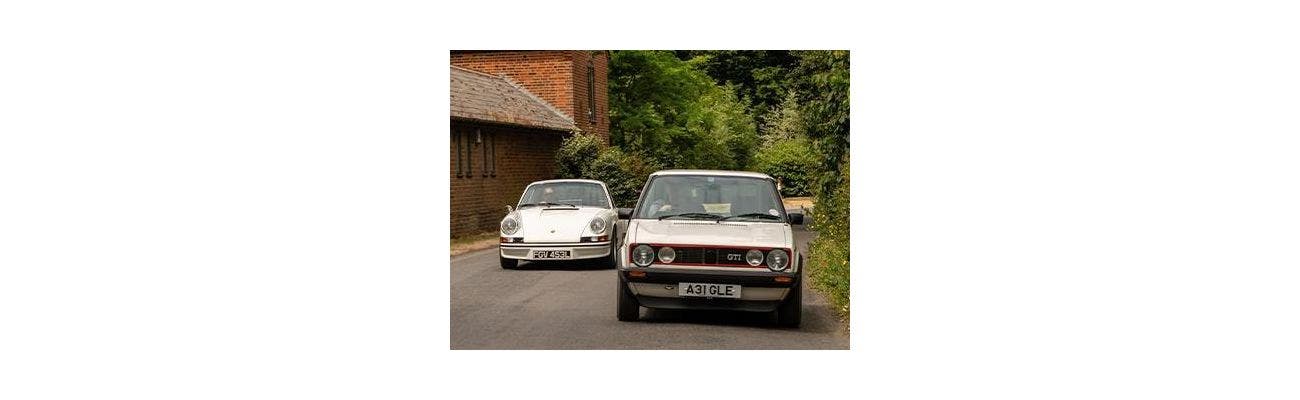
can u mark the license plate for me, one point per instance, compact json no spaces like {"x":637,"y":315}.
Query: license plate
{"x":708,"y":290}
{"x":551,"y":255}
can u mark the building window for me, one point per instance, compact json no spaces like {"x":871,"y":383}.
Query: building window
{"x":469,"y":154}
{"x":460,"y":157}
{"x":493,"y":153}
{"x":485,"y":141}
{"x":591,"y":89}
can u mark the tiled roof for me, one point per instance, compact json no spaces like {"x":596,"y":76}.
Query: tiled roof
{"x":482,"y":97}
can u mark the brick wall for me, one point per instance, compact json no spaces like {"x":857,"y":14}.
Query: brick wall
{"x":557,"y":76}
{"x":597,"y":62}
{"x":523,"y":156}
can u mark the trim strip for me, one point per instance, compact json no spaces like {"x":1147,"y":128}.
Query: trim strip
{"x":527,"y":245}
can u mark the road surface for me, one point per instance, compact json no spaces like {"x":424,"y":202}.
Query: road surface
{"x":569,"y":305}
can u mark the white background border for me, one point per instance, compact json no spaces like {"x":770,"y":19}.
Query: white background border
{"x":248,"y":199}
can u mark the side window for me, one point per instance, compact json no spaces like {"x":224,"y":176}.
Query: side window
{"x":493,"y":153}
{"x":460,"y":158}
{"x":591,"y":89}
{"x":469,"y":153}
{"x":488,"y":140}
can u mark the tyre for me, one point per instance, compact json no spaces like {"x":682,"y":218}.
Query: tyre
{"x":790,"y":312}
{"x":613,"y":251}
{"x":628,"y":308}
{"x":509,"y":263}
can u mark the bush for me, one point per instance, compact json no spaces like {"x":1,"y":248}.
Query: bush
{"x":585,"y":157}
{"x":792,"y":161}
{"x":575,"y":153}
{"x":828,"y":262}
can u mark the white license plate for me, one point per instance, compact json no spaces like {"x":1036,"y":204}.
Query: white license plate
{"x":685,"y":289}
{"x":552,"y":255}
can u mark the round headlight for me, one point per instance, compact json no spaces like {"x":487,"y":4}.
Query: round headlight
{"x":777,"y":260}
{"x":597,"y":225}
{"x":643,"y":255}
{"x":509,"y":226}
{"x":754,"y":257}
{"x":667,"y":254}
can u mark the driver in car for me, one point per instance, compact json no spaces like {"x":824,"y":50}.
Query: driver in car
{"x":676,"y":202}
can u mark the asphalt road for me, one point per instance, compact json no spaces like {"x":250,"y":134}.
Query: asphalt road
{"x":568,"y":305}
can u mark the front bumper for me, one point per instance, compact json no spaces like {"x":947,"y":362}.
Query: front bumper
{"x":759,"y":289}
{"x":579,"y":251}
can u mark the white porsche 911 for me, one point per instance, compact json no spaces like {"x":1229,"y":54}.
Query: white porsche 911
{"x":562,"y":219}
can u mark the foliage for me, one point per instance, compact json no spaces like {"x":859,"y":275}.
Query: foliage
{"x":583,"y":156}
{"x":822,"y":87}
{"x":828,"y":262}
{"x":761,"y":77}
{"x":792,"y":162}
{"x":575,"y":154}
{"x":669,"y":111}
{"x":783,"y":121}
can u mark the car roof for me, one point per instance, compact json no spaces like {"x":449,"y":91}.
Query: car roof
{"x":711,"y":172}
{"x":568,"y":180}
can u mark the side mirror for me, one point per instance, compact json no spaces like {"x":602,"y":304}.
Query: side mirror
{"x":509,"y":209}
{"x":625,"y":213}
{"x":795,"y":218}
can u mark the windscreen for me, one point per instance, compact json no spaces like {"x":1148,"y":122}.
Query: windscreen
{"x":581,"y":194}
{"x":720,"y":196}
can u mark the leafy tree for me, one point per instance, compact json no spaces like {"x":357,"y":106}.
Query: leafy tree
{"x":822,"y":85}
{"x":761,"y":77}
{"x":670,"y":111}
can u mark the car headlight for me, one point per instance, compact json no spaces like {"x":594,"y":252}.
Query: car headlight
{"x":754,"y":257}
{"x":643,"y":255}
{"x":509,"y":226}
{"x":777,"y":260}
{"x":667,"y":254}
{"x":597,"y":225}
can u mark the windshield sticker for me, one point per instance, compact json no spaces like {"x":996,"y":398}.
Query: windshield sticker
{"x":717,"y":208}
{"x":774,"y":212}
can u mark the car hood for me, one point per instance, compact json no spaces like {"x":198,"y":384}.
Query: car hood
{"x":730,"y":233}
{"x":559,"y":224}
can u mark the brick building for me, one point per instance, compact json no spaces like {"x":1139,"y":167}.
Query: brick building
{"x":510,"y":110}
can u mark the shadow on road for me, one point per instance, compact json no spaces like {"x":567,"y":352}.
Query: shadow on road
{"x":712,"y":317}
{"x":568,"y":265}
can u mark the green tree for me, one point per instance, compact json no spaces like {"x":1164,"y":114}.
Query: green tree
{"x":761,"y":77}
{"x":671,"y":112}
{"x":822,"y":85}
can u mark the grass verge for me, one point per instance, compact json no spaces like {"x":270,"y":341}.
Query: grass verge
{"x":478,"y":241}
{"x":828,"y":266}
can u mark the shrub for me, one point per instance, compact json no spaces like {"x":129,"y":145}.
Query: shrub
{"x":792,"y":162}
{"x":585,"y":157}
{"x":828,"y":262}
{"x":574,"y":154}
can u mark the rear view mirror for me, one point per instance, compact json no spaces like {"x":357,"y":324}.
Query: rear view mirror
{"x":624,"y":213}
{"x":795,"y":218}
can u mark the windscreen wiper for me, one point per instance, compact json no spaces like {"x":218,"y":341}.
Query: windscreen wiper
{"x":556,"y":204}
{"x":753,"y":215}
{"x":692,"y":215}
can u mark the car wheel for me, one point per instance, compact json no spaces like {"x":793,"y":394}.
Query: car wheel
{"x":509,"y":263}
{"x":613,"y":250}
{"x":790,"y":312}
{"x":628,"y":308}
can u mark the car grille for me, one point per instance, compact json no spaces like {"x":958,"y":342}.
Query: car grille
{"x":709,"y":255}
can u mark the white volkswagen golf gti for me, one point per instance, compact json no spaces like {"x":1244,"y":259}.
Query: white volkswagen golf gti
{"x":710,"y":240}
{"x":562,"y":219}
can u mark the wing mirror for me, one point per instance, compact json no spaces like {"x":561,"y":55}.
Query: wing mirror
{"x":795,"y":218}
{"x":509,"y":209}
{"x":625,"y":213}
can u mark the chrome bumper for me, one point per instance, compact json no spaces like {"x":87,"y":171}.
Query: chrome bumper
{"x":578,"y":251}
